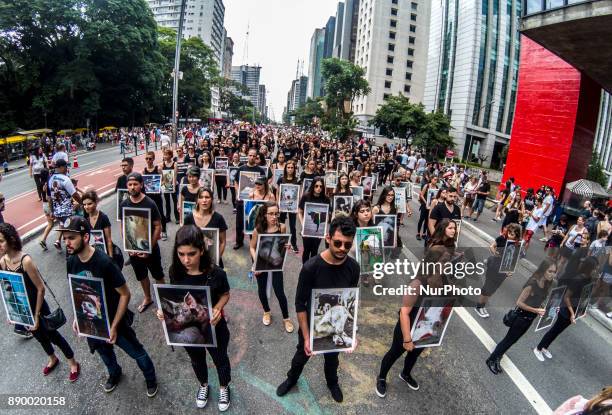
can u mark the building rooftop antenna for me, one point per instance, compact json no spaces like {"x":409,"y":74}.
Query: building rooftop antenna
{"x":245,"y":54}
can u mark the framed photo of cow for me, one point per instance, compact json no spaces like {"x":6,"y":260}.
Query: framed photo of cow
{"x":333,"y":320}
{"x":271,"y":252}
{"x":315,"y":220}
{"x":137,"y":230}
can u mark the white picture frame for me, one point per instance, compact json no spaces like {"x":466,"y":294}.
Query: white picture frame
{"x":330,"y":312}
{"x":553,"y":302}
{"x":315,"y":215}
{"x":388,"y":223}
{"x":15,"y":299}
{"x":289,"y":198}
{"x":246,"y":184}
{"x":341,"y":203}
{"x":87,"y":302}
{"x":133,"y":224}
{"x":431,"y":322}
{"x":271,"y":246}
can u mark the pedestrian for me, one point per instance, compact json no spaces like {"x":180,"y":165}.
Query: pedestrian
{"x":204,"y":216}
{"x":151,"y":168}
{"x":557,"y":236}
{"x":386,"y":206}
{"x":38,"y":162}
{"x":422,"y":224}
{"x":315,"y":194}
{"x":127,"y":165}
{"x":143,"y":263}
{"x":528,"y":307}
{"x":84,"y":260}
{"x":262,"y":191}
{"x":469,"y":195}
{"x":446,"y":210}
{"x":189,"y":192}
{"x":444,"y":234}
{"x":572,"y":240}
{"x":267,"y":222}
{"x":549,"y":205}
{"x":600,"y":404}
{"x":170,"y":200}
{"x":532,"y":225}
{"x":221,"y":178}
{"x":250,"y":166}
{"x":14,"y":260}
{"x":289,"y":177}
{"x":333,"y":268}
{"x":191,"y":265}
{"x":98,"y":220}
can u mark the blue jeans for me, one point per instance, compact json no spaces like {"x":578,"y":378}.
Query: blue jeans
{"x":126,"y":340}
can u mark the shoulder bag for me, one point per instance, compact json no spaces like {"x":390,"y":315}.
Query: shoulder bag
{"x":510,"y":317}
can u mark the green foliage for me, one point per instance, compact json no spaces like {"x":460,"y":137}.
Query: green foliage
{"x":344,"y":81}
{"x":306,"y":114}
{"x":595,"y":171}
{"x":398,"y":117}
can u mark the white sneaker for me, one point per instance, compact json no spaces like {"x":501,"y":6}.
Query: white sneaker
{"x":546,"y":353}
{"x":224,"y":398}
{"x":202,"y":396}
{"x":482,"y":312}
{"x":538,"y":354}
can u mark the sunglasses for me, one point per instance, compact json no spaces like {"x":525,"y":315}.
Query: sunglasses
{"x":148,"y":158}
{"x":347,"y":245}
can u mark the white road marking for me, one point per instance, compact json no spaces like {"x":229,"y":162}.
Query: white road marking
{"x":30,"y":222}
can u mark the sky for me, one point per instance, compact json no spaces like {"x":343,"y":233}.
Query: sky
{"x":279,"y":35}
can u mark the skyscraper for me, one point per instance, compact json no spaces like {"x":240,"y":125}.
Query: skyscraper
{"x":228,"y":56}
{"x":345,"y":46}
{"x":296,"y":97}
{"x":249,"y":77}
{"x":262,"y":102}
{"x":338,"y":31}
{"x":392,"y":48}
{"x":472,"y":72}
{"x":330,"y":32}
{"x":317,"y":52}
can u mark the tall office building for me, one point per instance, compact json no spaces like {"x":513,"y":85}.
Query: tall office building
{"x":228,"y":56}
{"x":330,"y":32}
{"x":338,"y":32}
{"x":346,"y":30}
{"x":249,"y":77}
{"x":603,"y":134}
{"x":296,"y":97}
{"x":262,"y":104}
{"x":392,"y":48}
{"x":317,"y":52}
{"x":472,"y":72}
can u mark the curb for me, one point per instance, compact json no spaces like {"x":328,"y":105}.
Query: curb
{"x":29,"y":236}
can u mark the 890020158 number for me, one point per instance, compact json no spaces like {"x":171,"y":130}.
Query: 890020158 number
{"x":30,"y":401}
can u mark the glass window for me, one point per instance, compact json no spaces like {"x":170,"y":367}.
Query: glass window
{"x":407,"y":88}
{"x":410,"y":52}
{"x":391,"y":35}
{"x":411,"y":40}
{"x":394,"y":12}
{"x":391,"y":47}
{"x":393,"y":23}
{"x":409,"y":64}
{"x":413,"y":17}
{"x":414,"y":6}
{"x":412,"y":28}
{"x":389,"y":59}
{"x":389,"y":72}
{"x":408,"y":76}
{"x":387,"y":84}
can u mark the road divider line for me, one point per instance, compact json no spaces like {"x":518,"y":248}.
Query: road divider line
{"x":30,"y":222}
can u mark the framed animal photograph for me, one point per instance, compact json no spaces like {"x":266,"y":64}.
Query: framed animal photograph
{"x":552,"y":308}
{"x":400,"y":199}
{"x":357,"y":193}
{"x":187,"y":312}
{"x":374,"y":181}
{"x":342,"y":167}
{"x":368,"y":185}
{"x":15,"y":298}
{"x":221,"y":165}
{"x":289,"y":195}
{"x":89,"y":306}
{"x":167,"y":181}
{"x":408,"y":187}
{"x":271,"y":252}
{"x":278,"y":173}
{"x":388,"y":223}
{"x":331,"y":179}
{"x":585,"y":300}
{"x":431,"y":322}
{"x":137,"y":230}
{"x":246,"y":184}
{"x":510,"y":256}
{"x":122,"y":194}
{"x":251,"y":208}
{"x":97,"y":240}
{"x":315,"y":220}
{"x":369,"y":248}
{"x":431,"y":195}
{"x":152,"y":183}
{"x":186,"y":210}
{"x":232,"y":174}
{"x":211,"y":240}
{"x":207,"y":178}
{"x":343,"y":205}
{"x":306,"y":185}
{"x":333,"y":320}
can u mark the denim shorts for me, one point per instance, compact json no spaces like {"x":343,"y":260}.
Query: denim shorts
{"x":479,"y":205}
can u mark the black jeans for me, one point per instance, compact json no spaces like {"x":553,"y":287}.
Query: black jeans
{"x":233,"y":193}
{"x":47,"y":338}
{"x":300,"y":359}
{"x":515,"y":332}
{"x":311,"y":248}
{"x":170,"y":201}
{"x":395,"y":352}
{"x":221,"y":181}
{"x":560,"y":325}
{"x":218,"y":354}
{"x":423,"y":219}
{"x":39,"y":187}
{"x":279,"y":291}
{"x":239,"y":222}
{"x":292,"y":221}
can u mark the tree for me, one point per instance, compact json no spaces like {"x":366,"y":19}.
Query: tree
{"x":229,"y":102}
{"x":595,"y":171}
{"x":306,"y":114}
{"x":398,"y":117}
{"x":344,"y":81}
{"x":434,"y":134}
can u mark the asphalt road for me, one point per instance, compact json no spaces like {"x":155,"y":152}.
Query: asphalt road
{"x":454,"y":378}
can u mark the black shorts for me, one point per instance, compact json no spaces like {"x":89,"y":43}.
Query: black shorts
{"x":152,"y":263}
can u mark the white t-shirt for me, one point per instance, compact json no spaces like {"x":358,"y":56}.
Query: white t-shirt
{"x":421,"y":163}
{"x":38,"y":163}
{"x":164,"y":141}
{"x":551,"y":201}
{"x":60,"y":155}
{"x":411,"y":162}
{"x":532,"y":225}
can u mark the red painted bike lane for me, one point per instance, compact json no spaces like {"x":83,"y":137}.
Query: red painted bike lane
{"x":25,"y":212}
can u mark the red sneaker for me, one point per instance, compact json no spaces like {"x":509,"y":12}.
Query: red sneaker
{"x":75,"y":375}
{"x":49,"y":369}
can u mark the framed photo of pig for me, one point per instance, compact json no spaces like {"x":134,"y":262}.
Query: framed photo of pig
{"x":333,"y":320}
{"x":187,"y":312}
{"x":137,"y":230}
{"x":271,"y":252}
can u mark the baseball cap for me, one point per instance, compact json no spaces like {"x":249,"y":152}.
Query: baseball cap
{"x":135,"y":176}
{"x":61,"y":163}
{"x":260,"y":180}
{"x":75,"y":224}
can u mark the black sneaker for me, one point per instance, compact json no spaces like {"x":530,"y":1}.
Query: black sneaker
{"x":381,"y":387}
{"x":151,"y":388}
{"x":492,"y":366}
{"x":202,"y":396}
{"x":412,"y":384}
{"x":284,"y":387}
{"x":336,"y":392}
{"x":111,"y":383}
{"x":224,"y":398}
{"x":23,"y":333}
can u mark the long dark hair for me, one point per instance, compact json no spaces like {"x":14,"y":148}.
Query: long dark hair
{"x":261,"y":222}
{"x":542,"y":268}
{"x":294,"y":178}
{"x":11,"y":235}
{"x":210,"y":192}
{"x":439,"y":236}
{"x":339,"y":186}
{"x":189,"y":235}
{"x":383,"y":198}
{"x":357,"y":207}
{"x":316,"y":180}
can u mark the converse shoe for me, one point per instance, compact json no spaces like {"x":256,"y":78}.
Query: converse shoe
{"x":538,"y":354}
{"x":111,"y":383}
{"x":202,"y":396}
{"x":412,"y":384}
{"x":224,"y":398}
{"x":481,"y":311}
{"x":151,"y":388}
{"x":546,"y":353}
{"x":381,"y":387}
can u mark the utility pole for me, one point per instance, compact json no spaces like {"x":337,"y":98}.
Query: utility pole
{"x":176,"y":73}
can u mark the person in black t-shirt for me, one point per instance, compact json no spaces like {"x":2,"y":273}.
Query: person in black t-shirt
{"x":143,"y":263}
{"x":252,"y":167}
{"x":127,"y":165}
{"x":98,"y":219}
{"x":191,"y":265}
{"x":333,"y":268}
{"x":316,"y":194}
{"x":446,"y":210}
{"x":84,"y":260}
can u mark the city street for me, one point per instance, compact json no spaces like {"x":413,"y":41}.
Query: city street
{"x":453,"y":378}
